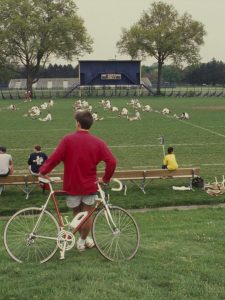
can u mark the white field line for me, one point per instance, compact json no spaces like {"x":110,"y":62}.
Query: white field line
{"x":158,"y":145}
{"x":129,"y":146}
{"x":205,"y":129}
{"x":197,"y":126}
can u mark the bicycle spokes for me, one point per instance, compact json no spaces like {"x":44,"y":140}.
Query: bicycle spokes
{"x":118,"y":241}
{"x":26,"y":245}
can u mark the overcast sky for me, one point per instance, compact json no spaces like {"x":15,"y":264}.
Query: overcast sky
{"x":105,"y":18}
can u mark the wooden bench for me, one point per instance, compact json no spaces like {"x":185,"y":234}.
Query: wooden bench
{"x":180,"y":173}
{"x":142,"y":178}
{"x":27,"y":183}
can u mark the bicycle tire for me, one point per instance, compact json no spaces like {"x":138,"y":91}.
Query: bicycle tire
{"x":120,"y":244}
{"x":17,"y":232}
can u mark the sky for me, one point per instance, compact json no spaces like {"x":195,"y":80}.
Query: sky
{"x":104,"y":20}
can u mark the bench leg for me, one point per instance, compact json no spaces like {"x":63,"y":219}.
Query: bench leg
{"x":125,"y":189}
{"x":140,"y":186}
{"x":191,"y":186}
{"x":26,"y":189}
{"x":1,"y":189}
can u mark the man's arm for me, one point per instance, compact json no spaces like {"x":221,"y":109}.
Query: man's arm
{"x":54,"y":159}
{"x":110,"y":163}
{"x":11,"y":166}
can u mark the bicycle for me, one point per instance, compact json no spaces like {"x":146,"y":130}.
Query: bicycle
{"x":33,"y":234}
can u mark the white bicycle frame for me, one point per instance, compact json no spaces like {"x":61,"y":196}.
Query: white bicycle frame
{"x":107,"y":212}
{"x":102,"y":200}
{"x":43,"y":208}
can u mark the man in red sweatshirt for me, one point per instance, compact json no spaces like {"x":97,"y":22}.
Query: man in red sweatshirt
{"x":80,"y":153}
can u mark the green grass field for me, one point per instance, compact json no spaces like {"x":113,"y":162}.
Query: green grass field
{"x":182,"y":252}
{"x":197,"y":142}
{"x":181,"y":256}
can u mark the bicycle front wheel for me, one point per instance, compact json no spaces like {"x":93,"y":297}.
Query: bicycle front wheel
{"x":118,"y":240}
{"x":26,"y":244}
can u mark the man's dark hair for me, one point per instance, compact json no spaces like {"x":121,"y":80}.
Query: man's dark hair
{"x":170,"y":150}
{"x":3,"y":149}
{"x":84,"y":117}
{"x":37,"y":147}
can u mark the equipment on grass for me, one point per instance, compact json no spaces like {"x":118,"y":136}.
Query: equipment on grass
{"x":162,"y":142}
{"x":198,"y":182}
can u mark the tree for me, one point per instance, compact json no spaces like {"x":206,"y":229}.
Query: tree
{"x":32,"y":31}
{"x":150,"y":72}
{"x":163,"y":34}
{"x":5,"y":76}
{"x":172,"y":74}
{"x":211,"y":73}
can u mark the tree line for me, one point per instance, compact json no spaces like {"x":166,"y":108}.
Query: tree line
{"x":50,"y":71}
{"x":211,"y":73}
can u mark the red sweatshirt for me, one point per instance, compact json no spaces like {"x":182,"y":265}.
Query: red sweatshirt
{"x":81,"y":152}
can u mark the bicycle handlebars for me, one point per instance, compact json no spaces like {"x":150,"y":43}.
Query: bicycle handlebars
{"x":120,"y":187}
{"x":51,"y":179}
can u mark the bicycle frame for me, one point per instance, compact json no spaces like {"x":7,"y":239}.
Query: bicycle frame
{"x":100,"y":201}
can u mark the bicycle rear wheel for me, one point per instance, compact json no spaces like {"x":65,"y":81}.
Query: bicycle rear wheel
{"x":116,"y":243}
{"x":25,"y":245}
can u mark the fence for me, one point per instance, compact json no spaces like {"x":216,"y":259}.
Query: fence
{"x":116,"y":91}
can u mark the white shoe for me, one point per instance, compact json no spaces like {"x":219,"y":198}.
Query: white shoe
{"x":89,"y":243}
{"x":81,"y":244}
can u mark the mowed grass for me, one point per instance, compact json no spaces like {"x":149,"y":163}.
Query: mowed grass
{"x":198,"y":142}
{"x":181,"y":256}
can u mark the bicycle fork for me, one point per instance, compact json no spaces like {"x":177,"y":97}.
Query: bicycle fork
{"x":110,"y":220}
{"x":107,"y":213}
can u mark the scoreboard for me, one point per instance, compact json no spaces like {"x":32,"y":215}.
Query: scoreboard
{"x":109,"y":72}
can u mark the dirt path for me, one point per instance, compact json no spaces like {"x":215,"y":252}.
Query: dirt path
{"x":181,"y":207}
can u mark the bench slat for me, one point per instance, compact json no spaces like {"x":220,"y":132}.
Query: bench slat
{"x":182,"y":172}
{"x":12,"y":179}
{"x":126,"y":175}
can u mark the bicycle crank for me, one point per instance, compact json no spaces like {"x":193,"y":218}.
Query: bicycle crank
{"x":65,"y":240}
